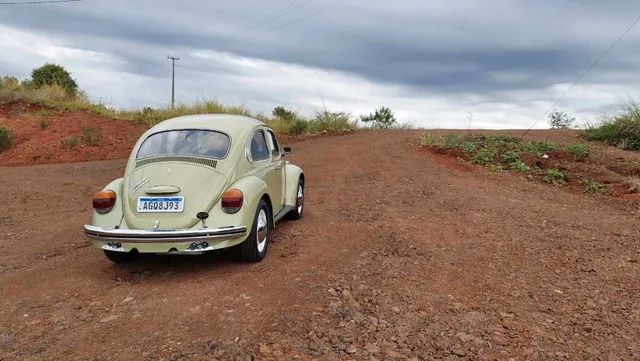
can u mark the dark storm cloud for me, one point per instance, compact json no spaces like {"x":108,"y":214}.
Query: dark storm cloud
{"x":434,"y":46}
{"x":504,"y":60}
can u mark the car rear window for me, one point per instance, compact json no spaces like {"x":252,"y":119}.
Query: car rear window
{"x":200,"y":143}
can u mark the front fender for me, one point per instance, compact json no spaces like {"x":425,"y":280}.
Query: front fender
{"x":294,"y":173}
{"x":113,"y":218}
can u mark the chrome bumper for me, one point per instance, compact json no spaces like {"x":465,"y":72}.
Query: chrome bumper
{"x":147,"y":236}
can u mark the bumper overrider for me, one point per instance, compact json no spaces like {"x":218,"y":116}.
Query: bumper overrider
{"x":165,"y":241}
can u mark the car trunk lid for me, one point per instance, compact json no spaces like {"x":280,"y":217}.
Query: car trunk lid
{"x":199,"y":186}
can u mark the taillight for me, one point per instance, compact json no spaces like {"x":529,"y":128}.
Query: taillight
{"x":232,"y":201}
{"x":104,"y":201}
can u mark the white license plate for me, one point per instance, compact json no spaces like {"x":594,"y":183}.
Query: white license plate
{"x":160,"y":204}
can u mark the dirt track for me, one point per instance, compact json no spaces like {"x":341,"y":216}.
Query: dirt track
{"x":400,"y":255}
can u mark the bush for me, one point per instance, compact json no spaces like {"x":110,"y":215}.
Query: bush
{"x":90,"y":136}
{"x":382,"y":118}
{"x":592,"y":187}
{"x":511,"y":157}
{"x":539,"y":148}
{"x":287,"y":122}
{"x":484,"y":156}
{"x":579,"y":151}
{"x":622,"y":130}
{"x":52,"y":74}
{"x":452,"y":141}
{"x":70,"y":143}
{"x":519,"y":166}
{"x":44,"y":124}
{"x":331,"y":122}
{"x":469,"y":147}
{"x":555,"y":176}
{"x":7,"y":139}
{"x":561,"y":120}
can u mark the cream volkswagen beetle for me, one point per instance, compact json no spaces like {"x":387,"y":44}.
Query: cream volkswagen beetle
{"x":195,"y":184}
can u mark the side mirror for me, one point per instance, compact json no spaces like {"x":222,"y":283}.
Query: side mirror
{"x":286,"y":150}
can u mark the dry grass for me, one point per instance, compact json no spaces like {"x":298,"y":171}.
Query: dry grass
{"x":55,"y":97}
{"x":633,"y":183}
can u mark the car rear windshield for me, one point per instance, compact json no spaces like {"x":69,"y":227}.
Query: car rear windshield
{"x":200,"y":143}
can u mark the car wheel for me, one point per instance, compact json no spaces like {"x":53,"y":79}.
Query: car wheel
{"x":122,"y":257}
{"x":298,"y":211}
{"x":254,"y":248}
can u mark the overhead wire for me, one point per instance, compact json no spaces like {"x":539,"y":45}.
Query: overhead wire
{"x":585,"y":73}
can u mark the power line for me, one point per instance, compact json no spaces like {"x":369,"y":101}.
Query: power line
{"x":314,"y":12}
{"x":584,"y":74}
{"x":292,"y":6}
{"x":36,"y":2}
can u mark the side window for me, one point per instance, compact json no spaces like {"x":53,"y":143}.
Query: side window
{"x":273,"y":144}
{"x":259,"y":150}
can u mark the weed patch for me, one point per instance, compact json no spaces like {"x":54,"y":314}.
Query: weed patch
{"x":7,"y":139}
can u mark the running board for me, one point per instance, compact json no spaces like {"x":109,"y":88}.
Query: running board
{"x":283,"y":212}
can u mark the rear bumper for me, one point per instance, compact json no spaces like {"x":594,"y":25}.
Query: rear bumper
{"x":165,"y":241}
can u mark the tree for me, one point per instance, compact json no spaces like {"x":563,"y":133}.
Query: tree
{"x":383,"y":118}
{"x":560,"y":120}
{"x":282,"y":113}
{"x":52,"y":74}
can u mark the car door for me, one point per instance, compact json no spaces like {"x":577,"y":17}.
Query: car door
{"x":279,"y":163}
{"x":265,"y":168}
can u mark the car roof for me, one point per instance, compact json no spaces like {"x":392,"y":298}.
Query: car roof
{"x":234,"y":125}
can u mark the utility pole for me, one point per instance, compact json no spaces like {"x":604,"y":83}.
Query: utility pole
{"x":173,"y":78}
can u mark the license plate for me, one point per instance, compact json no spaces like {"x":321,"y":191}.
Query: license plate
{"x":160,"y":204}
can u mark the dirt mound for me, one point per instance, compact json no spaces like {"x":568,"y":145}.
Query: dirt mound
{"x":49,"y":136}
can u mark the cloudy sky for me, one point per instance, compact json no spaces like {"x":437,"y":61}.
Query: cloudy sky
{"x":433,"y":62}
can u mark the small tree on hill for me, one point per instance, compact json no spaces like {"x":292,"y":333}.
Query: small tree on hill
{"x":383,"y":118}
{"x":561,"y":120}
{"x":282,"y":113}
{"x":52,"y":74}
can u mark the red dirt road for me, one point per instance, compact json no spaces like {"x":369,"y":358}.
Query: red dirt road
{"x":401,"y":255}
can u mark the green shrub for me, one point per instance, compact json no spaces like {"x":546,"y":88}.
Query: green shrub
{"x":90,"y":136}
{"x":52,"y":74}
{"x":519,"y":166}
{"x":382,"y":118}
{"x":503,"y":139}
{"x":511,"y":157}
{"x":70,"y":143}
{"x":7,"y":139}
{"x":469,"y":147}
{"x":622,"y":130}
{"x":539,"y":148}
{"x":44,"y":124}
{"x":579,"y":151}
{"x":287,"y":122}
{"x":484,"y":156}
{"x":452,"y":141}
{"x":331,"y":122}
{"x":555,"y":176}
{"x":592,"y":187}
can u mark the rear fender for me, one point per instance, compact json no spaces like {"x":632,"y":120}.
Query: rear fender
{"x":114,"y":217}
{"x":253,"y":189}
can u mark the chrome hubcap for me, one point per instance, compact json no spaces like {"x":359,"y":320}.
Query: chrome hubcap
{"x":263,"y":227}
{"x":300,"y":198}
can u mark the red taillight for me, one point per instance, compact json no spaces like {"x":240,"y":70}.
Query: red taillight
{"x":232,"y":201}
{"x":104,"y":201}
